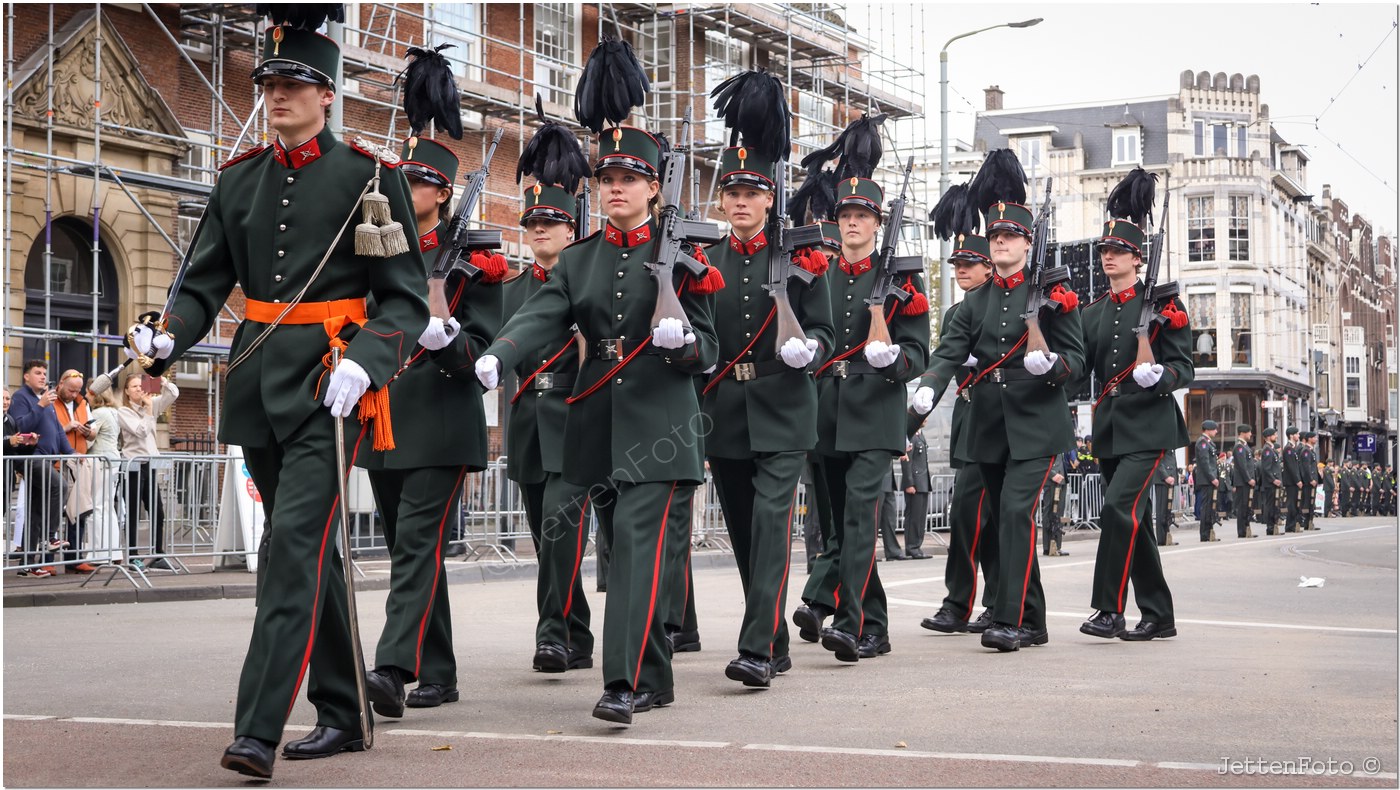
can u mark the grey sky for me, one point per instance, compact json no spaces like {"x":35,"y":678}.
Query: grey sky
{"x":1306,"y":55}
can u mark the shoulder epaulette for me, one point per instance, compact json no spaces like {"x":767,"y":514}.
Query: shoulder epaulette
{"x":1102,"y":296}
{"x":382,"y":153}
{"x":243,"y":157}
{"x":589,"y":237}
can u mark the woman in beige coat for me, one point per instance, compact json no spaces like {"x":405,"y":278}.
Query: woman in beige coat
{"x":137,"y":418}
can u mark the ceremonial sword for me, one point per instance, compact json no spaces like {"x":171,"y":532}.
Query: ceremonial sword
{"x":356,"y":649}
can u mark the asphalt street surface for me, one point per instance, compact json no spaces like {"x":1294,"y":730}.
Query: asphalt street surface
{"x":1268,"y":684}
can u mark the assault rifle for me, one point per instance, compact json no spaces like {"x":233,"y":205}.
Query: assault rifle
{"x":1153,"y":293}
{"x":1042,"y":277}
{"x":677,"y":234}
{"x":783,"y":242}
{"x":461,"y":242}
{"x":891,"y":266}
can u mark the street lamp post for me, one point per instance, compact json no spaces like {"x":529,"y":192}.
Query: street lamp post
{"x":945,"y":291}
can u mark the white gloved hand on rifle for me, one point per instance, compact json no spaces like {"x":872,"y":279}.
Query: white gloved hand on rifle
{"x":439,"y":334}
{"x":1147,"y":375}
{"x":881,"y":355}
{"x":1039,"y":362}
{"x":670,"y":333}
{"x":798,"y":354}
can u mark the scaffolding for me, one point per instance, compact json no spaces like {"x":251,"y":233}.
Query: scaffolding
{"x":501,"y":61}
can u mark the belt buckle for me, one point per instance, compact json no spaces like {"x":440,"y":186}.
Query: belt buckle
{"x":744,"y":371}
{"x":1114,"y":391}
{"x":841,"y":368}
{"x":610,"y":349}
{"x":544,"y":381}
{"x":996,"y":375}
{"x":966,"y":394}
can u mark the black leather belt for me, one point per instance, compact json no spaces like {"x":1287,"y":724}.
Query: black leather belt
{"x":747,"y":371}
{"x":850,"y":367}
{"x":1002,"y":374}
{"x":613,"y":349}
{"x":1124,"y":388}
{"x":554,"y":381}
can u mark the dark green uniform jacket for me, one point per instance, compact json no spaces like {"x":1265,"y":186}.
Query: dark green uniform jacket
{"x":1270,"y":468}
{"x":1243,"y":469}
{"x":776,"y":411}
{"x":435,"y":404}
{"x":1292,"y":465}
{"x":1134,"y":420}
{"x":641,"y":422}
{"x":268,"y":205}
{"x":1207,"y":464}
{"x":960,"y":406}
{"x":537,"y":416}
{"x":1026,"y":416}
{"x":863,"y":412}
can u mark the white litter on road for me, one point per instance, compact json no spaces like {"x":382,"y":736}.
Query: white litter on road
{"x":1311,"y":581}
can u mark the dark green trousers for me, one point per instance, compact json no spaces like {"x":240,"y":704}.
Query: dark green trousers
{"x":821,"y":579}
{"x":634,"y":640}
{"x":757,"y":496}
{"x":1015,"y":488}
{"x":1127,"y":547}
{"x":845,"y":573}
{"x":301,"y":622}
{"x":678,"y":609}
{"x":416,"y":505}
{"x":970,"y":544}
{"x":558,"y":514}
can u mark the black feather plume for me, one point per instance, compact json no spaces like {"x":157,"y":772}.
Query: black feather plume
{"x":1000,"y":179}
{"x":955,"y":214}
{"x":1133,"y":197}
{"x":815,"y":198}
{"x":302,"y":16}
{"x":754,"y":105}
{"x":858,"y":147}
{"x":430,"y":91}
{"x":553,"y":156}
{"x":612,"y":83}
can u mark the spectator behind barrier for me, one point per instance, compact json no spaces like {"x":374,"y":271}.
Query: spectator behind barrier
{"x":29,"y":408}
{"x":137,"y":418}
{"x":104,"y":538}
{"x":72,"y":412}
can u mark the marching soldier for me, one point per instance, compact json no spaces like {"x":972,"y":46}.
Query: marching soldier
{"x":1307,"y":460}
{"x":277,"y":224}
{"x":913,"y":471}
{"x":1019,"y":420}
{"x":761,"y":406}
{"x":1244,"y":476}
{"x":1137,"y":422}
{"x":1292,"y":479}
{"x":1052,"y":503}
{"x":1270,"y":482}
{"x":1207,"y":478}
{"x":1163,"y":495}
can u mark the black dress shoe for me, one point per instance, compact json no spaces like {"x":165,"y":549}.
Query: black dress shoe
{"x":250,"y":756}
{"x":643,"y":701}
{"x":684,"y":641}
{"x":615,"y":705}
{"x":455,"y":549}
{"x":1030,"y":637}
{"x":945,"y":621}
{"x":580,"y":660}
{"x":550,"y":657}
{"x":431,"y":695}
{"x":782,"y":664}
{"x":323,"y":742}
{"x":844,"y":645}
{"x":808,"y":622}
{"x":895,"y":557}
{"x":981,"y":623}
{"x":1146,"y":630}
{"x":872,"y":645}
{"x":751,"y":671}
{"x":1105,"y":625}
{"x":386,"y":693}
{"x":918,"y":554}
{"x":1005,"y":638}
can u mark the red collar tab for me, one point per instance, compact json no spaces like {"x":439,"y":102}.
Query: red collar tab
{"x":629,"y":238}
{"x":855,"y":269}
{"x":540,"y":273}
{"x":301,"y":156}
{"x":428,"y":241}
{"x":1124,"y":296}
{"x":751,"y":247}
{"x":1009,"y":282}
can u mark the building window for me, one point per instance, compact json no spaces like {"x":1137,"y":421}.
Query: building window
{"x":556,"y":50}
{"x":1353,"y":392}
{"x":1200,"y":228}
{"x":1241,"y":338}
{"x":815,"y":115}
{"x":1214,"y":138}
{"x":457,"y":24}
{"x":653,"y":47}
{"x":1240,"y":145}
{"x":1220,"y":140}
{"x":1201,"y":308}
{"x":1126,"y":149}
{"x":1200,"y":137}
{"x":1238,"y":230}
{"x":1030,"y":152}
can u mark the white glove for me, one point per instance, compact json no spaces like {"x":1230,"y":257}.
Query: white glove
{"x":347,"y":383}
{"x":1039,"y":362}
{"x":153,"y":344}
{"x":670,"y":333}
{"x":880,"y":355}
{"x":971,"y":362}
{"x":798,"y":354}
{"x":710,"y":369}
{"x":1147,"y":375}
{"x":488,"y":371}
{"x":439,"y":334}
{"x":922,"y":401}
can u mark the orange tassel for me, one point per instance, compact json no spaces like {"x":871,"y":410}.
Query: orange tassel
{"x":374,"y":405}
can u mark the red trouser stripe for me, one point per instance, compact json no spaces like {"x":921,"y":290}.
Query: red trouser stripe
{"x":972,"y":552}
{"x":782,"y":587}
{"x":869,"y":570}
{"x":1132,"y":541}
{"x":578,"y":559}
{"x":316,"y":599}
{"x":437,"y":575}
{"x":655,"y":580}
{"x":1030,"y":557}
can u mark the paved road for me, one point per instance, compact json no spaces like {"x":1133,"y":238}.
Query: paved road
{"x":142,"y":694}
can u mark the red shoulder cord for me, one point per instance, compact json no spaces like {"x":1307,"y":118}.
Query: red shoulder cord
{"x":451,"y":307}
{"x":888,"y":320}
{"x":715,"y":381}
{"x":524,"y":385}
{"x":615,"y":369}
{"x":994,"y":365}
{"x":1107,"y":388}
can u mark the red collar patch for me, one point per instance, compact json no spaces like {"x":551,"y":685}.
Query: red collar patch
{"x":1124,"y":296}
{"x":541,"y":273}
{"x":629,"y":238}
{"x":428,"y":241}
{"x":1009,"y":282}
{"x":855,"y":269}
{"x":750,"y":247}
{"x":302,"y":155}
